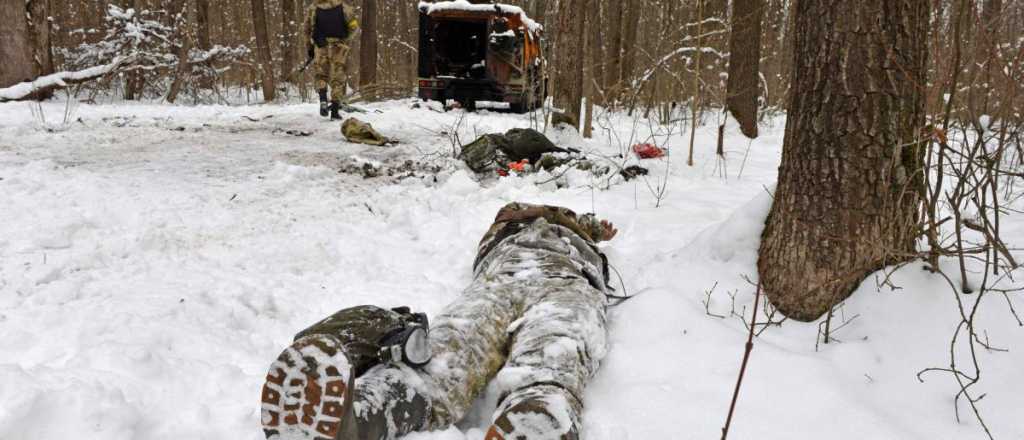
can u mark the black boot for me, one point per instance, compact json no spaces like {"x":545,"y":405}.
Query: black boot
{"x":323,"y":101}
{"x":334,"y":111}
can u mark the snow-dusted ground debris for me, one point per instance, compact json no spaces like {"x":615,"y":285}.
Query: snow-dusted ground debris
{"x":154,"y":260}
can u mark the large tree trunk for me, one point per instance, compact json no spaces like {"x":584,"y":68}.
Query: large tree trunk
{"x":613,"y":70}
{"x":25,"y":46}
{"x":39,"y":25}
{"x":629,"y":44}
{"x":179,"y":10}
{"x":15,"y":44}
{"x":259,"y":24}
{"x":744,"y":62}
{"x":203,"y":34}
{"x":569,"y":82}
{"x":134,"y":80}
{"x":848,"y":196}
{"x":288,"y":27}
{"x":203,"y":24}
{"x":407,"y":33}
{"x":368,"y":45}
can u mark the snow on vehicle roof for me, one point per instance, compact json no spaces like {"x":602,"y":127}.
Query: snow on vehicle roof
{"x":464,"y":5}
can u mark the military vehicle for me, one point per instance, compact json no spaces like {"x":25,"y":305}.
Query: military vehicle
{"x":480,"y":52}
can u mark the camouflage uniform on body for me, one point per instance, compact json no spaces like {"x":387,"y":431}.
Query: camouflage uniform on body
{"x":330,"y":52}
{"x":533,"y":321}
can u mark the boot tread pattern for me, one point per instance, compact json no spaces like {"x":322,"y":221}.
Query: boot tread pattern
{"x":304,"y":392}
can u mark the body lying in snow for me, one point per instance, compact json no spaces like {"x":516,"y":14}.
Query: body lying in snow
{"x":532,"y":321}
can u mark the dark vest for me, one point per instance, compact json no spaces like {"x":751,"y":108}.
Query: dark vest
{"x":330,"y":23}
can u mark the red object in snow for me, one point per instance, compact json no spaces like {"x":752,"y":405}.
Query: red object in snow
{"x":514,"y":166}
{"x":648,"y":151}
{"x":518,"y":166}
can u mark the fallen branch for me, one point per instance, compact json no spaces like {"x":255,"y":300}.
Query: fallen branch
{"x":57,"y":80}
{"x":743,"y":367}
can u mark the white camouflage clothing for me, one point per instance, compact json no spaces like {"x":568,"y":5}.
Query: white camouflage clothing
{"x":533,"y":321}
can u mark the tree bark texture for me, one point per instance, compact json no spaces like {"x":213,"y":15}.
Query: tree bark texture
{"x":134,"y":80}
{"x":592,"y":71}
{"x":368,"y":45}
{"x":572,"y":25}
{"x":203,"y":24}
{"x":39,"y":25}
{"x":613,"y":70}
{"x":744,"y":64}
{"x":289,"y":25}
{"x":629,"y":44}
{"x":571,"y":46}
{"x":259,"y":22}
{"x":15,"y":44}
{"x":203,"y":34}
{"x":179,"y":20}
{"x":849,"y":190}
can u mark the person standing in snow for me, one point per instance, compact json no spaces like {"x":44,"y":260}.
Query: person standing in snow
{"x":330,"y":25}
{"x":533,"y":321}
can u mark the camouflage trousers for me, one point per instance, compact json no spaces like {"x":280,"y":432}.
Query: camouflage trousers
{"x":331,"y":64}
{"x":532,"y":325}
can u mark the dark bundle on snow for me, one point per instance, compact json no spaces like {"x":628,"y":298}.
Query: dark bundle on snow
{"x":494,"y":151}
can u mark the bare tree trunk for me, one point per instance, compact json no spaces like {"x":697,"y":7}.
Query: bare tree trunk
{"x":368,"y":46}
{"x":134,"y":81}
{"x":629,"y":43}
{"x":698,"y":67}
{"x":203,"y":34}
{"x":39,"y":25}
{"x":15,"y":44}
{"x":849,"y":191}
{"x":569,"y":80}
{"x":613,"y":71}
{"x":744,"y":64}
{"x":180,"y":11}
{"x":25,"y":48}
{"x":406,"y":29}
{"x":788,"y":39}
{"x":266,"y":63}
{"x":288,"y":26}
{"x":203,"y":24}
{"x":593,"y":74}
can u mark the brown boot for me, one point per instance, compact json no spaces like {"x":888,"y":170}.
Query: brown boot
{"x":530,"y":419}
{"x":306,"y":392}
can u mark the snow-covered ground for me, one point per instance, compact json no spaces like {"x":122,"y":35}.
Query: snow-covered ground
{"x":155,"y":259}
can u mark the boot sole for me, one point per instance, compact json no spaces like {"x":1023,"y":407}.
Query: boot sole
{"x":304,"y":394}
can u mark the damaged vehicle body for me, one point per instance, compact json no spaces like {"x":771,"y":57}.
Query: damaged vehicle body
{"x":480,"y":52}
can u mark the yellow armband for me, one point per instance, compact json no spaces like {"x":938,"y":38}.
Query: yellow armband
{"x":353,"y":25}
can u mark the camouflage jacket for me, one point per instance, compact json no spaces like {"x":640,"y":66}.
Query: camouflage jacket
{"x":310,"y":20}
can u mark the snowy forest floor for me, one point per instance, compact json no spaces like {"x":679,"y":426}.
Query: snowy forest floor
{"x":155,"y":259}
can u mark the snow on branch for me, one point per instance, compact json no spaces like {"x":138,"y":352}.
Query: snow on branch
{"x":153,"y":49}
{"x":58,"y":80}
